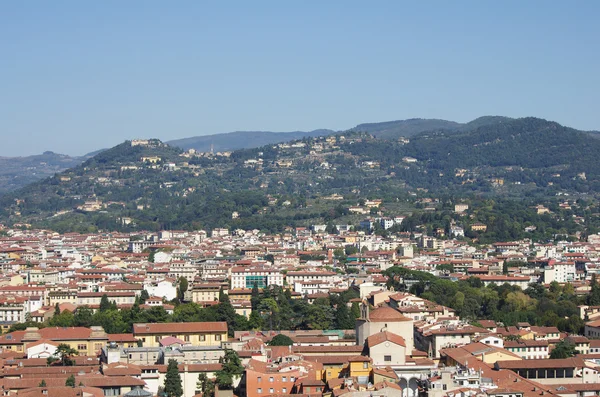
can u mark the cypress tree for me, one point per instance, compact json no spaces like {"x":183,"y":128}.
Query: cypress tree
{"x":173,"y":386}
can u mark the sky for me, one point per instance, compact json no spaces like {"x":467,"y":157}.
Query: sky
{"x":78,"y":76}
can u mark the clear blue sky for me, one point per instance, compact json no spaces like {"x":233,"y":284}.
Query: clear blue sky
{"x":76,"y":76}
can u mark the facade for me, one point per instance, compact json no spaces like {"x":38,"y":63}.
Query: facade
{"x":387,"y":349}
{"x":528,"y":349}
{"x":205,"y":292}
{"x":247,"y":277}
{"x":198,"y":334}
{"x":384,"y":318}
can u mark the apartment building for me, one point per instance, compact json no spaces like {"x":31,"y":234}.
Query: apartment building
{"x":197,"y":333}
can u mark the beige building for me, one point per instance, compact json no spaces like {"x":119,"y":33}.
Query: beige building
{"x":384,"y":319}
{"x":205,"y":292}
{"x":386,"y":349}
{"x":198,"y":333}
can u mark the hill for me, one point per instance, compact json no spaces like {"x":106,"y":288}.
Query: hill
{"x":16,"y":172}
{"x":152,"y":185}
{"x":406,"y":128}
{"x":242,"y":140}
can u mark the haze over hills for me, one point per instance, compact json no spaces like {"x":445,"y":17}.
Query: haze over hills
{"x":153,"y":185}
{"x":16,"y":172}
{"x":387,"y":129}
{"x":242,"y":139}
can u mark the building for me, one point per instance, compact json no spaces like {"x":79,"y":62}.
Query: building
{"x":386,"y":349}
{"x":206,"y":292}
{"x":247,"y":277}
{"x":197,"y":333}
{"x":384,"y":319}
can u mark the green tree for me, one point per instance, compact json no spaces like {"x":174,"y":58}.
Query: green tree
{"x":70,"y":381}
{"x":143,"y":296}
{"x":64,"y":352}
{"x":83,"y":317}
{"x":104,"y":303}
{"x":269,"y":308}
{"x":56,"y":309}
{"x":42,"y":383}
{"x":255,"y":321}
{"x":355,"y":310}
{"x":343,"y":317}
{"x":223,"y":297}
{"x":183,"y":287}
{"x":281,"y":340}
{"x":563,"y":349}
{"x":205,"y":385}
{"x":231,"y":367}
{"x":320,"y":316}
{"x":593,"y":298}
{"x":255,"y":297}
{"x":64,"y":319}
{"x":51,"y":360}
{"x":173,"y":386}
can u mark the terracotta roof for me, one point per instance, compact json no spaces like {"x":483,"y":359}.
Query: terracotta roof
{"x":121,"y":338}
{"x":121,"y":369}
{"x":359,"y":359}
{"x":61,"y":391}
{"x":385,"y":336}
{"x":179,"y":328}
{"x":387,"y":314}
{"x":92,"y":381}
{"x":573,"y":362}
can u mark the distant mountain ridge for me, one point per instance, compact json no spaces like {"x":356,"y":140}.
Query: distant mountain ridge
{"x":16,"y":172}
{"x":242,"y":139}
{"x":153,"y":185}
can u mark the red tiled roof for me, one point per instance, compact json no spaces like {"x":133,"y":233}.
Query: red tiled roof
{"x":385,"y":336}
{"x":387,"y":314}
{"x":179,"y":328}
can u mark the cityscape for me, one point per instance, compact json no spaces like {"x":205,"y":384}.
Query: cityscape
{"x":299,"y":199}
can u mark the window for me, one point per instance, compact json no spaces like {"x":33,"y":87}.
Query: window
{"x":217,"y":337}
{"x":81,"y":347}
{"x":112,"y":391}
{"x":259,"y":390}
{"x":284,"y":390}
{"x":387,"y":358}
{"x":186,"y":338}
{"x":259,"y":379}
{"x":202,"y":338}
{"x":156,"y":339}
{"x":292,"y":378}
{"x":271,"y":379}
{"x":365,"y":365}
{"x":284,"y":379}
{"x":271,"y":390}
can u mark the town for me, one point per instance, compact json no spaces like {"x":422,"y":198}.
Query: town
{"x":304,"y":312}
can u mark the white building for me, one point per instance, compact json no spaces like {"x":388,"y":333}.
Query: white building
{"x":562,"y":272}
{"x":247,"y":277}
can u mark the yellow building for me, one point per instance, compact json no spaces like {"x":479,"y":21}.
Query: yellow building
{"x":87,"y":341}
{"x":198,"y":334}
{"x":358,"y":366}
{"x":60,"y":296}
{"x":206,"y":292}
